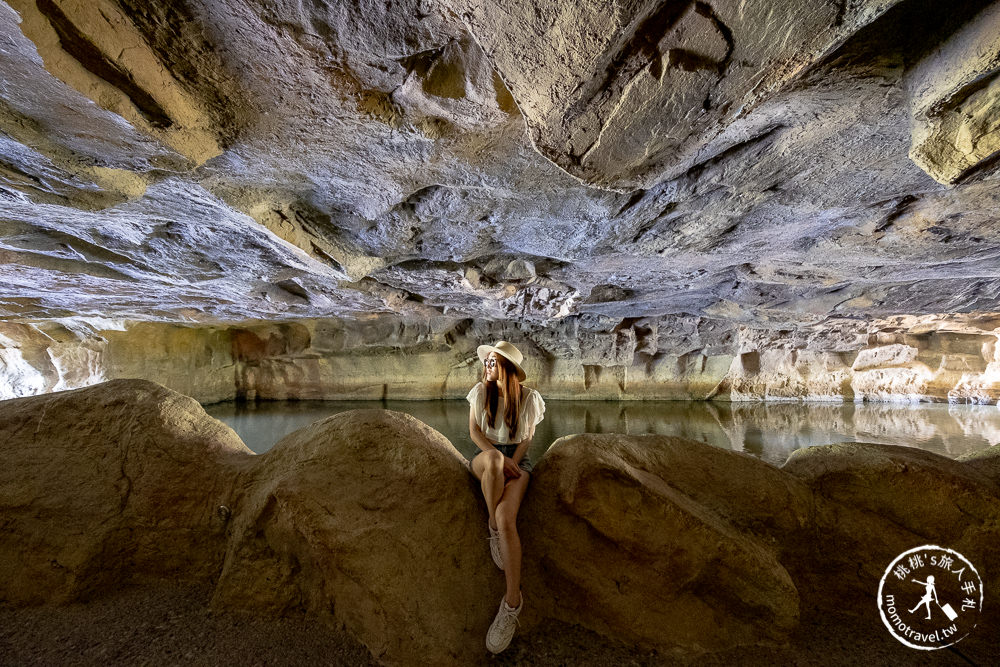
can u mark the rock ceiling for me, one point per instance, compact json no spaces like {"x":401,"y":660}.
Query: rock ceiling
{"x":757,"y":161}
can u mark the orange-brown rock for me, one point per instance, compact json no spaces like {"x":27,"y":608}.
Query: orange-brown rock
{"x":663,"y":541}
{"x":109,"y":483}
{"x":875,"y":501}
{"x":987,"y":462}
{"x":369,"y":518}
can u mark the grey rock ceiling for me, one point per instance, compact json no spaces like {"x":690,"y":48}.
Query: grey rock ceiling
{"x":778,"y":162}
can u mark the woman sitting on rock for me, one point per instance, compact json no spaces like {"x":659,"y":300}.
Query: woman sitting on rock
{"x":502,"y":419}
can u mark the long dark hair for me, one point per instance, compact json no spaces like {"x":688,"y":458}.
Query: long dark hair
{"x":507,"y":376}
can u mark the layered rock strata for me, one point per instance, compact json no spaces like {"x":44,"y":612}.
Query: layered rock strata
{"x":903,"y":359}
{"x":755,"y":162}
{"x":370,"y":520}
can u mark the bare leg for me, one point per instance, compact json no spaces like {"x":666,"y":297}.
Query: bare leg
{"x":510,"y":542}
{"x":488,"y":469}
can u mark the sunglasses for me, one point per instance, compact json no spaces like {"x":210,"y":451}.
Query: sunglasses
{"x":490,"y":363}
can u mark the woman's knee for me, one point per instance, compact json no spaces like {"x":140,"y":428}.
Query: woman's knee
{"x":493,"y":460}
{"x":506,"y":517}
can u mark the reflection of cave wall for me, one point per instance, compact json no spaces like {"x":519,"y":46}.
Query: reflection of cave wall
{"x":902,"y":359}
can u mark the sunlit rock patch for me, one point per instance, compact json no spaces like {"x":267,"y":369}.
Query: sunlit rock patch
{"x":955,"y":102}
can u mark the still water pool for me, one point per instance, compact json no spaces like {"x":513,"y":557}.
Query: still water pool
{"x":768,"y":431}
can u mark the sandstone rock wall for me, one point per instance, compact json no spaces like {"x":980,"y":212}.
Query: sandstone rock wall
{"x":54,"y":356}
{"x":904,"y":359}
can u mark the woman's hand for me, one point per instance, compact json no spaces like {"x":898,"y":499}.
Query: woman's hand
{"x":510,"y":469}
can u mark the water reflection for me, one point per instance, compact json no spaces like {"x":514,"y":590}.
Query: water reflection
{"x":768,"y":431}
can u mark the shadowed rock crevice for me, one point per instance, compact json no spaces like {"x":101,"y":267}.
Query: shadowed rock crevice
{"x":91,"y":57}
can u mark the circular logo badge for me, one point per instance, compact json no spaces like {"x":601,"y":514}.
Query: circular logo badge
{"x":930,"y":597}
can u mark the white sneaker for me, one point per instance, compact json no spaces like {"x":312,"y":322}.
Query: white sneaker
{"x":502,"y":630}
{"x":495,"y":546}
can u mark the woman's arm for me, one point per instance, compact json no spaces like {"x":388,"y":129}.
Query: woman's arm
{"x":522,"y":447}
{"x":477,"y":435}
{"x":509,"y":465}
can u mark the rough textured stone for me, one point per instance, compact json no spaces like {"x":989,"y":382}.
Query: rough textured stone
{"x":652,"y":536}
{"x":100,"y":50}
{"x":626,"y":97}
{"x":900,"y":360}
{"x":215,"y":162}
{"x":368,"y":516}
{"x":986,"y":462}
{"x":955,"y":100}
{"x":123,"y":480}
{"x":370,"y":520}
{"x":91,"y":493}
{"x":876,"y":501}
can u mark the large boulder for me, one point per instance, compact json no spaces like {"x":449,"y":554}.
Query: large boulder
{"x":662,"y":541}
{"x":371,"y":519}
{"x":99,"y":485}
{"x":875,"y":501}
{"x":986,"y":461}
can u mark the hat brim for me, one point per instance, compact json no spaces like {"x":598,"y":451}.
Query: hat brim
{"x":484,"y":351}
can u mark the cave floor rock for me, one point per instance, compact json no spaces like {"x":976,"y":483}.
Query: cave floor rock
{"x":166,"y":624}
{"x":172,"y":624}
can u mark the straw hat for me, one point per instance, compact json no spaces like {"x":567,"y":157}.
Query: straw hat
{"x":508,"y":352}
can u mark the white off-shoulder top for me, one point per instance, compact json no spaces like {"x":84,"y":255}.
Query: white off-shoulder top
{"x":532,"y":411}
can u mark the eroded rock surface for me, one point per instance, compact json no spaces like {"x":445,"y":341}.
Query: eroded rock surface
{"x":987,"y":462}
{"x":102,"y":485}
{"x":654,"y":535}
{"x":900,"y":360}
{"x":955,"y":99}
{"x":875,"y":501}
{"x":626,"y":95}
{"x":744,"y":161}
{"x":368,"y":517}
